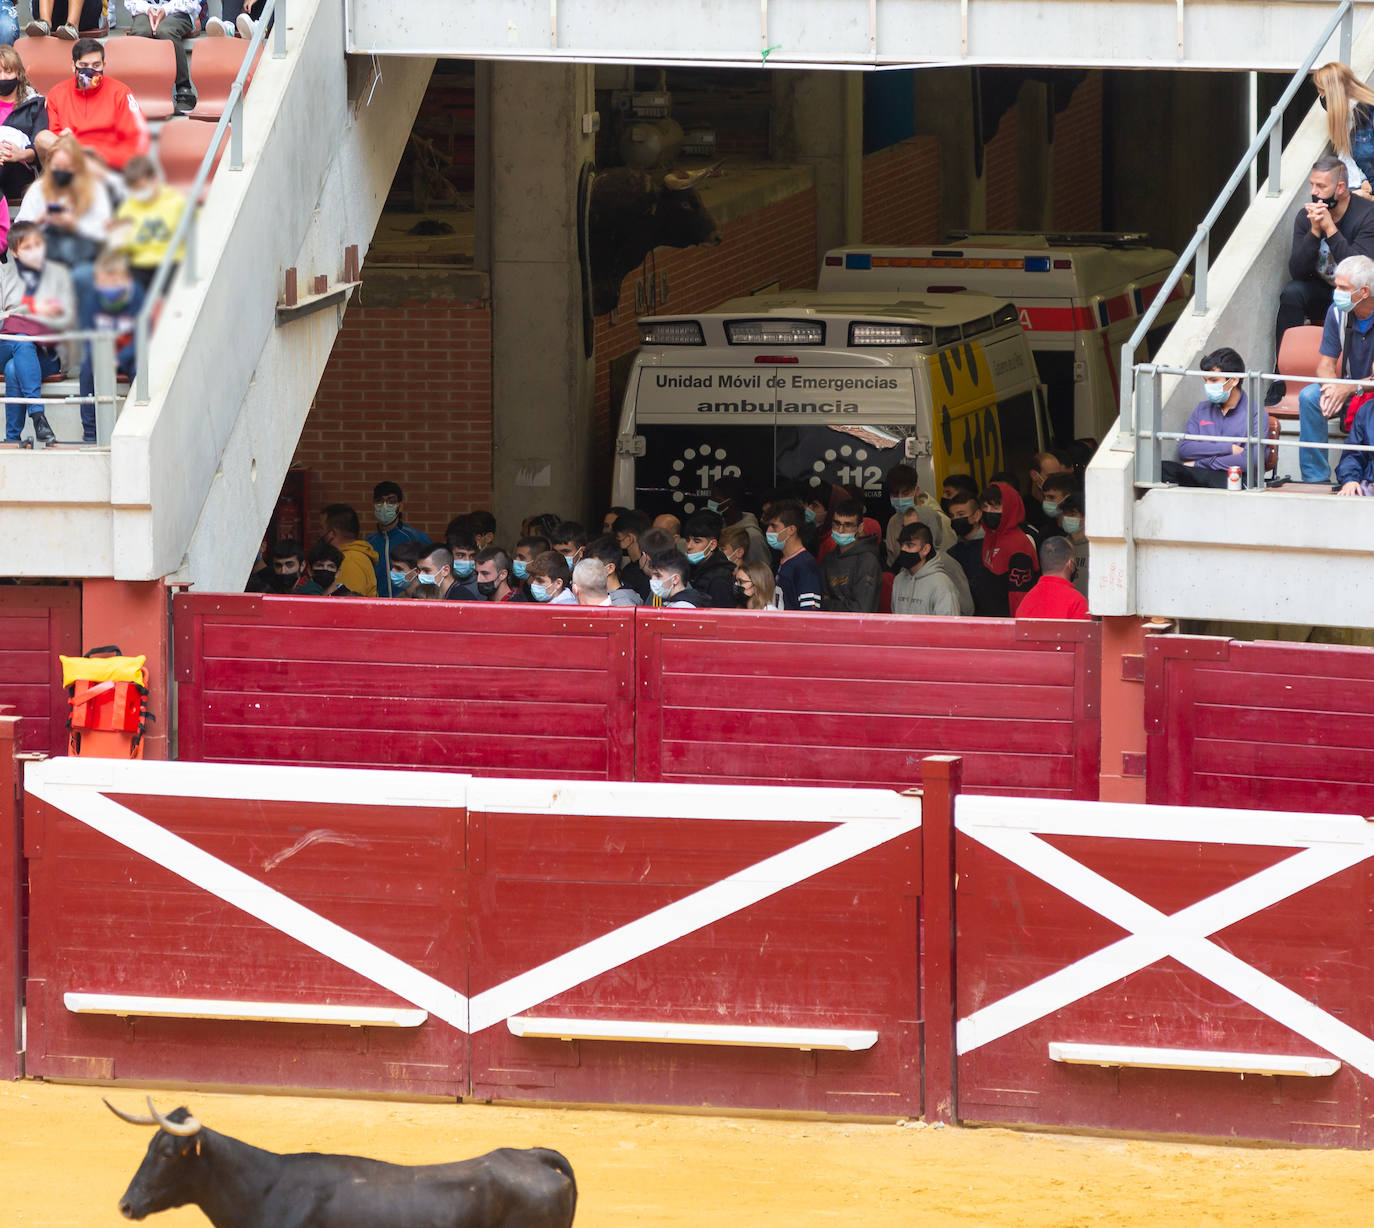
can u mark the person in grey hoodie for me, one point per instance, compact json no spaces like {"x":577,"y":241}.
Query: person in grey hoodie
{"x":924,"y":583}
{"x":852,"y":573}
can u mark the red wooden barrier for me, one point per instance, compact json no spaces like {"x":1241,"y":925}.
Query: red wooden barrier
{"x":1263,"y":725}
{"x":181,"y":916}
{"x":699,"y":946}
{"x":1151,"y":969}
{"x":727,"y":696}
{"x":530,"y":691}
{"x":11,"y":876}
{"x":37,"y":622}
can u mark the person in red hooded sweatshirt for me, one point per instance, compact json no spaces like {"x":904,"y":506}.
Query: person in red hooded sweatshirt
{"x":1009,"y":556}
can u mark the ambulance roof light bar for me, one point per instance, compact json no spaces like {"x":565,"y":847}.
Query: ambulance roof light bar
{"x":1062,"y":238}
{"x":863,"y":332}
{"x":670,"y":332}
{"x":772,"y":331}
{"x":944,"y":259}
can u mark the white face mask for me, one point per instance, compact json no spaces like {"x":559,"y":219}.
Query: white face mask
{"x":143,"y":195}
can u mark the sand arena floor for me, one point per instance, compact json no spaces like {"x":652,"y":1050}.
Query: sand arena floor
{"x":66,"y":1160}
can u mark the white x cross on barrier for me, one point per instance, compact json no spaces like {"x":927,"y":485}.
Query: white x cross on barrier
{"x":1182,"y":935}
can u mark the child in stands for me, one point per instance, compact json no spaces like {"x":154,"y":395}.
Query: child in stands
{"x":146,"y":221}
{"x":112,"y":307}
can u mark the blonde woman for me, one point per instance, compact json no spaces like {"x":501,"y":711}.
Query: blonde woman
{"x":1349,"y":107}
{"x":69,"y":201}
{"x":754,"y":582}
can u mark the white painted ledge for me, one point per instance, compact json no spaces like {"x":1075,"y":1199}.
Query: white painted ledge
{"x":1192,"y":1059}
{"x":253,"y":1012}
{"x":841,"y":1039}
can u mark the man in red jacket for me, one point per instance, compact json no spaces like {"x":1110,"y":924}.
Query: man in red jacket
{"x":1055,"y":596}
{"x":99,"y":111}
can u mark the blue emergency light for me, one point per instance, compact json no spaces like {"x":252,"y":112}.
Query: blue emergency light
{"x":858,"y":260}
{"x":1036,"y":264}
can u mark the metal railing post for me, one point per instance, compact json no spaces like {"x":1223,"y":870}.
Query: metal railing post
{"x":1275,"y":153}
{"x":1204,"y":246}
{"x":103,"y":372}
{"x":141,"y":350}
{"x":1128,"y":393}
{"x":279,"y":31}
{"x":188,"y":265}
{"x":1347,"y":33}
{"x":1253,"y":455}
{"x":1146,"y":421}
{"x":235,"y":128}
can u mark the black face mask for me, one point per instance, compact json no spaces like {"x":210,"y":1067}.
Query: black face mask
{"x":910,"y":559}
{"x":739,"y":589}
{"x":63,"y":179}
{"x":486,"y":587}
{"x":1328,"y":201}
{"x":8,"y":87}
{"x":944,"y":505}
{"x":283,"y":581}
{"x":992,"y":519}
{"x":323,"y":577}
{"x":961,"y":525}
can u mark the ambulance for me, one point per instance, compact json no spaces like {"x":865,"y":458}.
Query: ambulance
{"x":1078,"y":296}
{"x":805,"y":387}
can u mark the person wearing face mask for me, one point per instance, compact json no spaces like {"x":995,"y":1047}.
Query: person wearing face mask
{"x":434,"y":578}
{"x":550,"y":579}
{"x":711,"y":574}
{"x":1009,"y":557}
{"x":286,"y":569}
{"x":799,"y":575}
{"x":1222,"y":417}
{"x":924,"y":582}
{"x":324,"y":563}
{"x":527,"y":549}
{"x":71,"y":205}
{"x":669,"y":574}
{"x":1054,"y":595}
{"x":96,"y":110}
{"x":903,"y":488}
{"x":966,"y":519}
{"x":493,"y":578}
{"x":112,"y":306}
{"x":570,"y":540}
{"x":388,"y":507}
{"x":145,"y":222}
{"x":339,"y":527}
{"x":1346,"y":350}
{"x":755,"y":588}
{"x":23,"y":115}
{"x":1332,"y":225}
{"x":462,"y":546}
{"x":1053,"y":492}
{"x":606,"y":551}
{"x":1071,"y":524}
{"x":852,"y":571}
{"x":404,"y":568}
{"x":46,"y":297}
{"x":1349,"y":106}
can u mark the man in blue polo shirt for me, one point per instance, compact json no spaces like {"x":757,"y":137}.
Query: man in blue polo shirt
{"x":1347,"y":351}
{"x":392,"y":530}
{"x":1224,"y":414}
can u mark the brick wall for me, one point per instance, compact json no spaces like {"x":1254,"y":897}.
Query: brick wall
{"x":1078,"y":159}
{"x":776,"y":243}
{"x":1003,"y":173}
{"x":406,"y":396}
{"x":901,"y":187}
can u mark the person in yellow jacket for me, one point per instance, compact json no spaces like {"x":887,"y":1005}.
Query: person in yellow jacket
{"x":340,"y":529}
{"x":145,"y":222}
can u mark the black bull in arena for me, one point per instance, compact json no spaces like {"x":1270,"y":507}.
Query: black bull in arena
{"x":238,"y":1186}
{"x":631,"y":214}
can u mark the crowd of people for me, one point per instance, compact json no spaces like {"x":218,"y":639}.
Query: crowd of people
{"x":986,"y":552}
{"x":92,"y":220}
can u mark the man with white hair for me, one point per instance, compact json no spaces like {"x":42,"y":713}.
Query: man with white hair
{"x":1346,"y":352}
{"x":589,"y":583}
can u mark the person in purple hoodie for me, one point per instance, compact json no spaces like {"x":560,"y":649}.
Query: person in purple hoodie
{"x":1225,"y":414}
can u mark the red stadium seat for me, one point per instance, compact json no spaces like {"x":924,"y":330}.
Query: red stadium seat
{"x":215,"y":63}
{"x":1297,"y":358}
{"x":148,"y":66}
{"x":181,"y":147}
{"x":46,"y":60}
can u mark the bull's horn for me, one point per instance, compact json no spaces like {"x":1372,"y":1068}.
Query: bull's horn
{"x":184,"y":1129}
{"x":132,"y":1118}
{"x":680,"y":181}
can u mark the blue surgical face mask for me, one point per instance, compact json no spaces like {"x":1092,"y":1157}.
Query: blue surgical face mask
{"x":774,"y":541}
{"x":844,"y":539}
{"x":903,"y":503}
{"x":540,"y":592}
{"x":659,"y":588}
{"x":112,"y":296}
{"x":1342,"y":300}
{"x":425,"y":578}
{"x":386,"y":513}
{"x":810,"y":516}
{"x":571,"y":560}
{"x":1050,"y":508}
{"x":1071,"y":524}
{"x":695,"y":556}
{"x":398,"y":579}
{"x":1216,"y":391}
{"x":463,"y":568}
{"x":712,"y":505}
{"x":521,"y":568}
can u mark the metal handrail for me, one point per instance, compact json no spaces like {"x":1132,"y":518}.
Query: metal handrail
{"x":231,"y":123}
{"x":1271,"y":133}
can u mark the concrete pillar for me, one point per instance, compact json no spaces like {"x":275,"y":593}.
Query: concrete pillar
{"x":1122,"y":774}
{"x":134,"y":614}
{"x":542,"y":429}
{"x":944,"y":109}
{"x":818,"y":121}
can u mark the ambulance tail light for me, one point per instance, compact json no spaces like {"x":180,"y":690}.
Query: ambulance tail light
{"x":834,"y":262}
{"x":670,"y":332}
{"x":775,"y":332}
{"x":890,"y":334}
{"x":776,"y":359}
